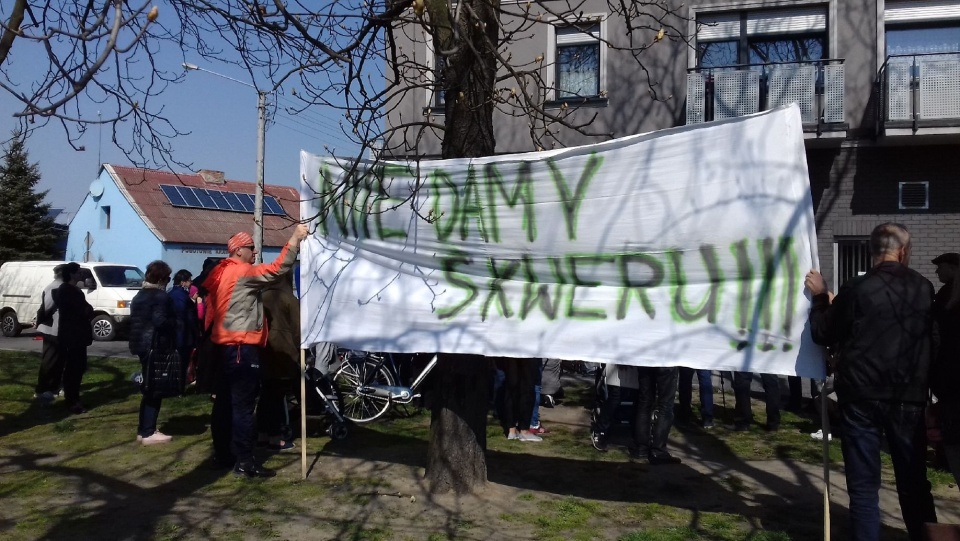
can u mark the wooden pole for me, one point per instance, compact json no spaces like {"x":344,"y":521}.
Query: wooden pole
{"x":825,"y":424}
{"x":303,"y":414}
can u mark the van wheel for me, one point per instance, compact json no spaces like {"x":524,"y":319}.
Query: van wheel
{"x":104,"y":328}
{"x":9,"y":324}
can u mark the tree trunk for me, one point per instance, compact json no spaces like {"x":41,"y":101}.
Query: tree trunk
{"x":469,"y":80}
{"x":458,"y":426}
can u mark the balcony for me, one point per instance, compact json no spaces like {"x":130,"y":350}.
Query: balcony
{"x":919,"y":94}
{"x":732,"y":91}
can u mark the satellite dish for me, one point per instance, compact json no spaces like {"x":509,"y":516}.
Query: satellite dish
{"x":96,"y":188}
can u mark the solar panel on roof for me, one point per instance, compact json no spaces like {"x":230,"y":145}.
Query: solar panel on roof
{"x":173,"y":195}
{"x":205,"y":200}
{"x":233,"y":201}
{"x":272,"y":206}
{"x":247,"y":201}
{"x":219,"y":199}
{"x":189,"y":197}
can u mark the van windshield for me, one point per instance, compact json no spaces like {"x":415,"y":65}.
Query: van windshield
{"x":117,"y":276}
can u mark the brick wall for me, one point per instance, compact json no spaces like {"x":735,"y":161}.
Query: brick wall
{"x":854,"y":189}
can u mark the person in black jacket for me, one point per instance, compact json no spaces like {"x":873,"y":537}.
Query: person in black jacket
{"x":74,"y":335}
{"x":882,"y":326}
{"x":185,"y":309}
{"x":153,"y":324}
{"x":946,"y":368}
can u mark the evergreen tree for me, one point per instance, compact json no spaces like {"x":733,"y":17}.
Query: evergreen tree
{"x":26,"y":231}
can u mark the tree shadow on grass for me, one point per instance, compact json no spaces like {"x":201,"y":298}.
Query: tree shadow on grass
{"x":110,"y":384}
{"x":789,"y":500}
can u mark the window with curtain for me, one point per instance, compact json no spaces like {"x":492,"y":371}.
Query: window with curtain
{"x":578,"y":61}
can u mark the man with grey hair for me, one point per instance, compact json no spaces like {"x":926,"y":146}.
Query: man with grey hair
{"x":882,"y":326}
{"x":51,"y":362}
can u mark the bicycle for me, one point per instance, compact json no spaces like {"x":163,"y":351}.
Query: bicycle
{"x":368,"y":384}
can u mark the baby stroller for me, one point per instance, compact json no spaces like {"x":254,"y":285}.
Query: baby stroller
{"x":322,"y":400}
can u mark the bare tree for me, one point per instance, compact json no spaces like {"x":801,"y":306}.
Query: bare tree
{"x":367,"y":59}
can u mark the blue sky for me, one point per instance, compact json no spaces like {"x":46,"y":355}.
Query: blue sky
{"x":221,"y":116}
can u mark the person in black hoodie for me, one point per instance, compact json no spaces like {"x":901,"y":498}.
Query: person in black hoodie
{"x":74,"y":335}
{"x":153,"y":323}
{"x":883,"y":328}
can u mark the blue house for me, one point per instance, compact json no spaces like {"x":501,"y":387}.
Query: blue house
{"x":135,"y":216}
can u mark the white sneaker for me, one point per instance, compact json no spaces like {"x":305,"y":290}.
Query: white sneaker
{"x":513,"y":436}
{"x":155,"y":438}
{"x":818,"y":435}
{"x":529,"y":437}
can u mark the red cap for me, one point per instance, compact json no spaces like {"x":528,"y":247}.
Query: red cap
{"x":239,"y":241}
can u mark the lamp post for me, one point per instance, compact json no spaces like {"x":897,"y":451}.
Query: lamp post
{"x":261,"y":142}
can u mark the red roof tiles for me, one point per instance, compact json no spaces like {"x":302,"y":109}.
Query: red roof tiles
{"x":201,"y":226}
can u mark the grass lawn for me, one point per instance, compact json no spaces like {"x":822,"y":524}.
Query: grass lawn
{"x":84,"y":477}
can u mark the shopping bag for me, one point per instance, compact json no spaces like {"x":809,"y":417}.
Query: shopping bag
{"x":165,"y":374}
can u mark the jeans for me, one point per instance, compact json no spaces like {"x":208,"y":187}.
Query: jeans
{"x":657,"y":390}
{"x":685,"y":392}
{"x":233,"y":409}
{"x":742,"y":411}
{"x":535,"y":418}
{"x":863,"y":423}
{"x":149,"y":408}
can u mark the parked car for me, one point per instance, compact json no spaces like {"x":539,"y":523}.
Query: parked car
{"x":109,"y":288}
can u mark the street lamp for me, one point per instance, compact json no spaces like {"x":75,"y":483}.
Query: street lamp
{"x":261,"y":141}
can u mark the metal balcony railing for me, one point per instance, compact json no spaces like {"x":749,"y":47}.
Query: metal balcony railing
{"x":737,"y":90}
{"x":919,"y":89}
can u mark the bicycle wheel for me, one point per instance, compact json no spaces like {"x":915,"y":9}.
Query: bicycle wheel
{"x":355,"y":373}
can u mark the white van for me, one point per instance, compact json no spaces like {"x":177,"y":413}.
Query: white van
{"x":109,"y":288}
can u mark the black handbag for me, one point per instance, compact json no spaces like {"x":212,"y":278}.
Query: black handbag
{"x":165,"y":373}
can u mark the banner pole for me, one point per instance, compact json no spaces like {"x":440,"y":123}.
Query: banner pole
{"x":825,"y":424}
{"x":303,"y":414}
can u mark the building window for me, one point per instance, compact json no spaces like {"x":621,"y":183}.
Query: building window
{"x":105,"y":217}
{"x":930,"y":27}
{"x":761,"y":37}
{"x":578,"y":61}
{"x":853,"y":259}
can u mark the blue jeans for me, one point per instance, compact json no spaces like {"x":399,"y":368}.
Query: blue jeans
{"x":685,"y":393}
{"x":535,"y":418}
{"x":657,"y":390}
{"x":863,"y":423}
{"x":149,"y":407}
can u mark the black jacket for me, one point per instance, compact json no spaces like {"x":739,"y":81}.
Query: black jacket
{"x":882,"y":326}
{"x":151,"y":314}
{"x":75,"y":315}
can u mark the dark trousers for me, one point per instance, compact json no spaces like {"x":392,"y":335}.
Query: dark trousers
{"x":74,"y":365}
{"x":149,"y":408}
{"x":863,"y":423}
{"x":233,"y":426}
{"x":685,"y":394}
{"x":796,"y":391}
{"x":521,"y":375}
{"x":742,"y":412}
{"x":51,"y":366}
{"x":270,"y":407}
{"x":607,"y":402}
{"x":657,"y":390}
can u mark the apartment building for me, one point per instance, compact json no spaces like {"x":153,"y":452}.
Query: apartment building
{"x":877,"y":82}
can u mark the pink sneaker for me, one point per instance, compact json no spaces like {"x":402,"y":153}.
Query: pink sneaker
{"x":539,"y":430}
{"x":155,"y":438}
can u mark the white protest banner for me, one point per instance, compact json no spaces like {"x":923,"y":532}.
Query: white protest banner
{"x":681,"y":247}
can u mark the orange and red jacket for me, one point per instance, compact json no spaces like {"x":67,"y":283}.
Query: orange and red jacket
{"x":234,"y":308}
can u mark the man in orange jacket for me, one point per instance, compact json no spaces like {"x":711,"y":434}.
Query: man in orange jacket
{"x":240,"y":330}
